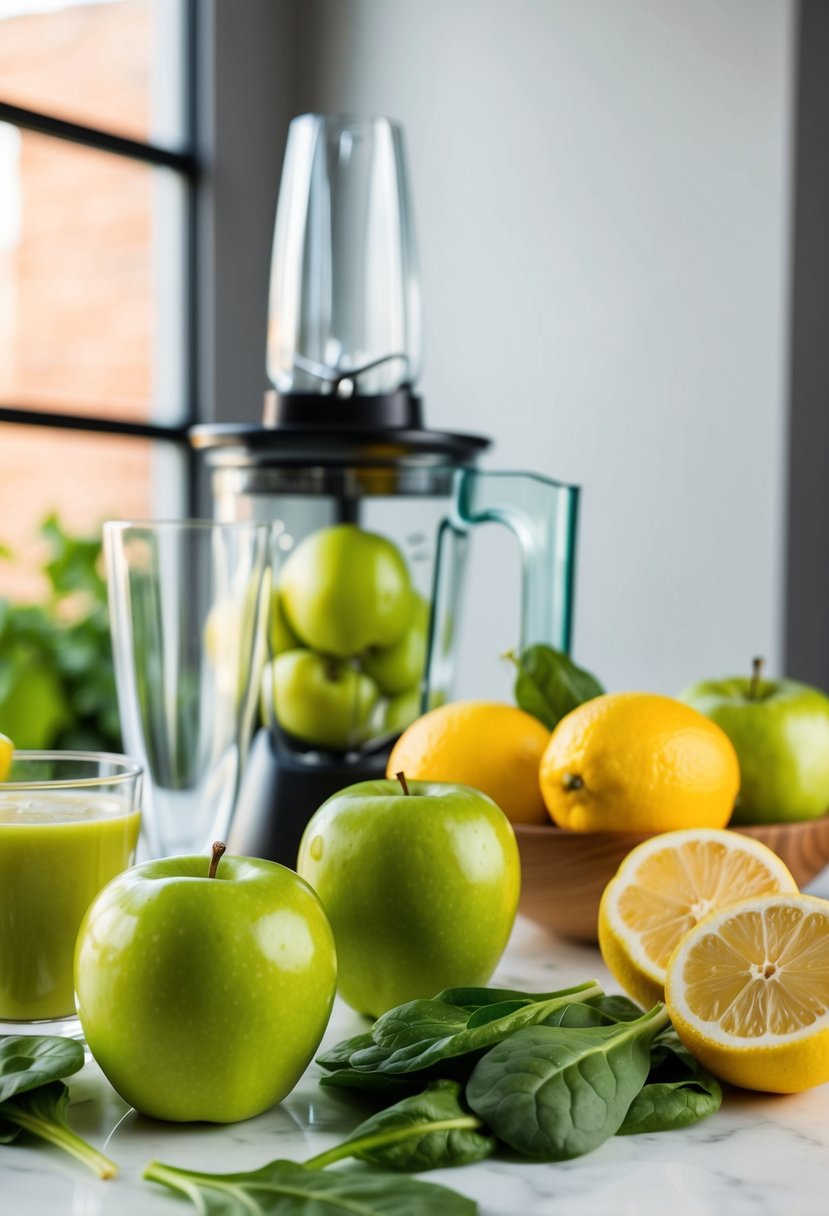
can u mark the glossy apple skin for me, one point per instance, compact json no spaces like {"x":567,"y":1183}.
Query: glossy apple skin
{"x":204,"y":998}
{"x":282,"y":637}
{"x":397,"y":668}
{"x":319,"y":700}
{"x":344,"y":589}
{"x":421,"y":890}
{"x":782,"y":743}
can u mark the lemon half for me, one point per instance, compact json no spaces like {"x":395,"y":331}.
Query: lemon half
{"x":665,"y":886}
{"x":748,"y":992}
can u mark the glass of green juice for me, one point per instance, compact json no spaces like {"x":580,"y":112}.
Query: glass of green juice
{"x":69,"y":822}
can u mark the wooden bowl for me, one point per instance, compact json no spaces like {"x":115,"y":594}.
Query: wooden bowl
{"x":563,"y":874}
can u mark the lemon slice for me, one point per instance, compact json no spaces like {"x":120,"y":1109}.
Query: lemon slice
{"x":665,"y":886}
{"x":748,"y":992}
{"x":6,"y":753}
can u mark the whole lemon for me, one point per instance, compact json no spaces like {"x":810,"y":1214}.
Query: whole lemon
{"x":638,"y":762}
{"x":492,"y":747}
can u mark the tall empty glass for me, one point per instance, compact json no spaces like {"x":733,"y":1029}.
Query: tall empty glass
{"x":185,"y":602}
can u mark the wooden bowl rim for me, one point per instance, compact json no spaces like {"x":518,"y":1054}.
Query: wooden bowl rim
{"x":552,"y":832}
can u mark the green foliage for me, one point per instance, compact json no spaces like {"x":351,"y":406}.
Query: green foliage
{"x":295,"y":1190}
{"x":422,"y":1034}
{"x":679,"y":1091}
{"x":27,"y":1061}
{"x":57,"y":685}
{"x":33,"y":1099}
{"x":549,"y":685}
{"x":555,"y":1092}
{"x":427,"y":1131}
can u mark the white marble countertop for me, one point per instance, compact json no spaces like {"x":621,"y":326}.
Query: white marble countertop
{"x":758,"y":1156}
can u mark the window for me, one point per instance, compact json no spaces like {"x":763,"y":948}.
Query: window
{"x":97,"y":205}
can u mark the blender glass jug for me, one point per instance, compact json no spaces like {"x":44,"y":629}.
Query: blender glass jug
{"x":370,"y":509}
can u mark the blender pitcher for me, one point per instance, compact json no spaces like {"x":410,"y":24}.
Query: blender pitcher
{"x":371,"y":511}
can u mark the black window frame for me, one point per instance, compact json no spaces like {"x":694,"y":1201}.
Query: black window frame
{"x":185,"y":162}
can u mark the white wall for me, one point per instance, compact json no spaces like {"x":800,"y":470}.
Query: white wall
{"x":601,"y":195}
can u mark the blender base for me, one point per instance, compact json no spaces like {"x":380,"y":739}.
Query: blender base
{"x":280,"y":792}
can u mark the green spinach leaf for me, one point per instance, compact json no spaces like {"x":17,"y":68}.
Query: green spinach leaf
{"x":421,"y":1034}
{"x":678,"y":1091}
{"x":372,"y":1082}
{"x":549,"y":684}
{"x":289,"y":1189}
{"x":598,"y":1011}
{"x":339,"y":1055}
{"x":27,"y":1061}
{"x":427,"y":1131}
{"x":554,"y":1092}
{"x":42,"y":1112}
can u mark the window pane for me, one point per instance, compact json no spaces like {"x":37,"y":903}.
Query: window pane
{"x":115,"y":64}
{"x":91,"y":281}
{"x":85,"y":479}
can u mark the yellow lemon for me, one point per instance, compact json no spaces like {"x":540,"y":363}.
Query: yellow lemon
{"x":748,"y":992}
{"x":492,"y":747}
{"x":665,"y":886}
{"x":6,"y":753}
{"x":638,"y":762}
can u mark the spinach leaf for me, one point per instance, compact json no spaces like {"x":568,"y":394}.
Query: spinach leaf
{"x":476,"y":998}
{"x":372,"y":1082}
{"x":598,"y":1011}
{"x":421,"y":1034}
{"x":554,"y":1092}
{"x":427,"y":1131}
{"x":339,"y":1055}
{"x":42,"y":1112}
{"x":292,"y":1190}
{"x":27,"y":1061}
{"x":549,"y":684}
{"x":678,"y":1091}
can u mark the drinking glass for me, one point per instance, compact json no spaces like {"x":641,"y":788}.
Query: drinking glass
{"x":69,"y":823}
{"x":188,"y":637}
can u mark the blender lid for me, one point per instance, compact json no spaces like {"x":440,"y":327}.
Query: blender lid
{"x":303,"y":428}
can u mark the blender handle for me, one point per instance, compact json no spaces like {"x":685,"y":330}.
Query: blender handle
{"x":542,"y":515}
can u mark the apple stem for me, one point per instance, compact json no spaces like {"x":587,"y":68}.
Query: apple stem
{"x":401,"y":777}
{"x":219,"y":850}
{"x":756,"y":678}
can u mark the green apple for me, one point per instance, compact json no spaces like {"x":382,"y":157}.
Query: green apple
{"x":421,"y":887}
{"x":321,"y":701}
{"x":400,"y":711}
{"x":344,"y":589}
{"x":780,"y":731}
{"x":282,"y":636}
{"x":204,"y":998}
{"x":396,"y":668}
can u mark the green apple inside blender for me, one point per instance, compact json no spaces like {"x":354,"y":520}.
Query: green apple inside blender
{"x":344,"y":597}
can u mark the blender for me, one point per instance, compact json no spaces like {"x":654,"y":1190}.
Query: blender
{"x":371,"y":511}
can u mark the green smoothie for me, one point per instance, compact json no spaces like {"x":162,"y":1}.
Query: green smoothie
{"x":57,"y":851}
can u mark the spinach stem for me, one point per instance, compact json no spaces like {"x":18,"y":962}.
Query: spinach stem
{"x":62,"y":1137}
{"x":353,"y":1148}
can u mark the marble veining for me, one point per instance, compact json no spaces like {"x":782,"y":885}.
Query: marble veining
{"x":759,"y":1156}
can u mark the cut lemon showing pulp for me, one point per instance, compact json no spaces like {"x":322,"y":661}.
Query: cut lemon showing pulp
{"x":748,"y":992}
{"x":665,"y":886}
